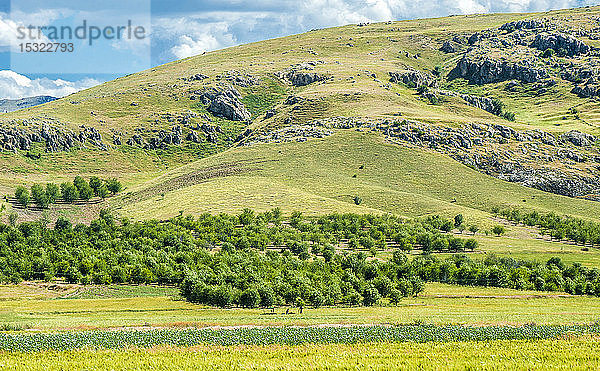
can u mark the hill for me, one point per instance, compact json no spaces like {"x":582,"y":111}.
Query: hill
{"x":9,"y":105}
{"x":511,"y":96}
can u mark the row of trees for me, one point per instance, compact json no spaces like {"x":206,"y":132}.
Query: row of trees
{"x":557,"y":227}
{"x":79,"y":189}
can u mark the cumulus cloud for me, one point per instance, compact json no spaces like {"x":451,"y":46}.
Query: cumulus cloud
{"x":231,"y":22}
{"x":14,"y":85}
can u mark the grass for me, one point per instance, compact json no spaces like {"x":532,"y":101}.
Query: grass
{"x":316,"y":177}
{"x":567,"y":353}
{"x":439,"y":304}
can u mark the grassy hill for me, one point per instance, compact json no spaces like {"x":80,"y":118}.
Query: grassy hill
{"x":317,"y":176}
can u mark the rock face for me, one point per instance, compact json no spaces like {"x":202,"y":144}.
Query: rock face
{"x":578,"y":138}
{"x":525,"y":24}
{"x":569,"y":44}
{"x":293,"y":133}
{"x":302,"y":78}
{"x":414,"y":78}
{"x":225,"y":102}
{"x":487,"y":71}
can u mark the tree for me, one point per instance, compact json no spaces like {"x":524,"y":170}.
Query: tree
{"x":102,"y":191}
{"x":62,"y":224}
{"x":473,"y":229}
{"x":38,"y":193}
{"x":357,"y":200}
{"x":114,"y":186}
{"x":370,"y":295}
{"x":471,"y":244}
{"x":69,"y":192}
{"x":440,"y":244}
{"x":498,"y":230}
{"x":12,"y":219}
{"x":328,"y":252}
{"x":85,"y":191}
{"x":446,"y":226}
{"x":458,"y":220}
{"x":22,"y":195}
{"x":250,"y":298}
{"x":52,"y":192}
{"x":95,"y":184}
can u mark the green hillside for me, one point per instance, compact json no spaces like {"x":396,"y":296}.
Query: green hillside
{"x":319,"y":175}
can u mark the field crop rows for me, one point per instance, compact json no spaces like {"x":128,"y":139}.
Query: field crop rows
{"x":119,"y":339}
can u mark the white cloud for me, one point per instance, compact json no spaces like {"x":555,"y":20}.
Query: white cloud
{"x":14,"y":85}
{"x":194,"y":33}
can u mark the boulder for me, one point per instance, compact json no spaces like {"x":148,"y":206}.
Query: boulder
{"x":558,"y":41}
{"x":414,"y":77}
{"x":485,"y":71}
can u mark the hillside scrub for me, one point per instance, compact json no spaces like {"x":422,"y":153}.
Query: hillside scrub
{"x":219,"y":259}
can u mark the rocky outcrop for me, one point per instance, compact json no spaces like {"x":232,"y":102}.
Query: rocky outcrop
{"x":578,"y":138}
{"x":493,"y":106}
{"x":225,"y":102}
{"x":525,"y":24}
{"x":300,"y":75}
{"x":568,"y":44}
{"x":196,"y":77}
{"x":588,"y":90}
{"x":293,"y":133}
{"x":303,"y":78}
{"x":449,"y":47}
{"x":413,"y":78}
{"x":485,"y":71}
{"x":239,"y":78}
{"x":55,"y":139}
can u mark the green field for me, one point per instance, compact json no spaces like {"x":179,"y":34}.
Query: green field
{"x":438,"y":304}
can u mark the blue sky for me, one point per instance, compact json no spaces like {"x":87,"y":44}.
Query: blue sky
{"x":179,"y":29}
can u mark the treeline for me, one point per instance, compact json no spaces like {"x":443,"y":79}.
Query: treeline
{"x":117,"y":251}
{"x":221,"y":259}
{"x":555,"y":226}
{"x":247,"y":278}
{"x":79,"y":189}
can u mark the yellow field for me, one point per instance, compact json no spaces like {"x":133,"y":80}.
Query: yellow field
{"x":562,"y":354}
